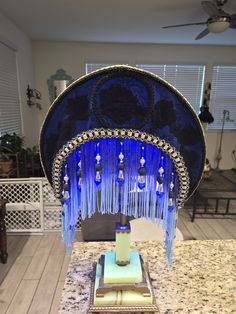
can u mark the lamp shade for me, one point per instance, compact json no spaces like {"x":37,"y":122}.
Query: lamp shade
{"x":121,"y":139}
{"x":205,"y":116}
{"x":218,"y":26}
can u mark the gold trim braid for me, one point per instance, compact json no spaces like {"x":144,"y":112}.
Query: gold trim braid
{"x":84,"y":137}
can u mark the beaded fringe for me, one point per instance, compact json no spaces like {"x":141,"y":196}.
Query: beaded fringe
{"x":111,"y":176}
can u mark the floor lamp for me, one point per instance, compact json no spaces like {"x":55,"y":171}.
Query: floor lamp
{"x":226,"y":118}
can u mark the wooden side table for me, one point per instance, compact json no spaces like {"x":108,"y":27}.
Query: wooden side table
{"x":3,"y":234}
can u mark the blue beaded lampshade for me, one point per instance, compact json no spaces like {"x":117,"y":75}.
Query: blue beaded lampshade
{"x":122,"y":140}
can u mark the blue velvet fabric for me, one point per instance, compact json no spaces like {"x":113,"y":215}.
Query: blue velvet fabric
{"x":124,"y":97}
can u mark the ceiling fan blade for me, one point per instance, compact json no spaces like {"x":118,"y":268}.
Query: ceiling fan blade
{"x":210,"y":8}
{"x":202,"y":34}
{"x":181,"y":25}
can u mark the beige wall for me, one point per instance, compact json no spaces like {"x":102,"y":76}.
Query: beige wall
{"x":15,"y":38}
{"x":70,"y":56}
{"x":228,"y":145}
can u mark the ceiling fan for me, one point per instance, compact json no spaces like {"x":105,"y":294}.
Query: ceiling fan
{"x":218,"y":20}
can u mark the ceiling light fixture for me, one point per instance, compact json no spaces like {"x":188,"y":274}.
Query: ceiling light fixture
{"x":218,"y":20}
{"x":218,"y":24}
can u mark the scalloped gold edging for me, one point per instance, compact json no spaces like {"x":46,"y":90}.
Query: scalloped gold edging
{"x":121,"y":133}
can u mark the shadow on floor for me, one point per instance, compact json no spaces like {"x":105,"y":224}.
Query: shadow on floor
{"x":15,"y":244}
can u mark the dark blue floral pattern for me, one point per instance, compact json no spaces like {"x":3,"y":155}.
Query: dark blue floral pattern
{"x":171,"y":118}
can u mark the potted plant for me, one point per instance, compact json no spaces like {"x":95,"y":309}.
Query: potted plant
{"x":6,"y":165}
{"x":10,"y":145}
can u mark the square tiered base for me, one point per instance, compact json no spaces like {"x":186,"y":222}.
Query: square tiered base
{"x":115,"y":274}
{"x":122,"y":297}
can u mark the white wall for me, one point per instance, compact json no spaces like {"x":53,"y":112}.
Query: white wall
{"x":11,"y":35}
{"x":228,"y":145}
{"x":70,"y":56}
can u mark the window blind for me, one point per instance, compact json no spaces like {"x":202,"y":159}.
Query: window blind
{"x":223,"y":96}
{"x":188,"y":79}
{"x":90,"y":67}
{"x":10,"y":115}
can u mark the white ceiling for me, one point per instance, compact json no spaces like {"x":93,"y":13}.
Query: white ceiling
{"x":126,"y":21}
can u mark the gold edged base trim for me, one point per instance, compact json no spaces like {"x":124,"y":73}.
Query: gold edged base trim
{"x":141,"y":287}
{"x":131,"y":308}
{"x":123,"y":309}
